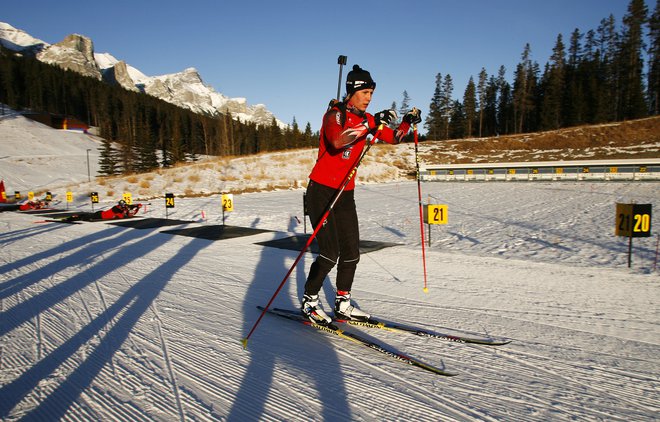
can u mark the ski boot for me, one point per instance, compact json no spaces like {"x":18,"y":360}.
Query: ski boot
{"x":344,"y":309}
{"x":311,"y":309}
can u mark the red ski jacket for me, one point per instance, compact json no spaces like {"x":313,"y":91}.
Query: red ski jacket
{"x":119,"y":212}
{"x":343,"y":137}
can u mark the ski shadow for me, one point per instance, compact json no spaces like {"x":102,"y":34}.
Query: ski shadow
{"x":270,"y":349}
{"x":15,"y":235}
{"x":111,"y":327}
{"x":87,"y":248}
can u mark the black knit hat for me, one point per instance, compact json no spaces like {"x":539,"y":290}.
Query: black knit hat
{"x":358,"y":79}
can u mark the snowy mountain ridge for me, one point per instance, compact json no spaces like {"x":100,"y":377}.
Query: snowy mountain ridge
{"x":185,"y":89}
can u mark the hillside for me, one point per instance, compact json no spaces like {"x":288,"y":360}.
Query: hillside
{"x":387,"y":163}
{"x":629,"y":139}
{"x":289,"y":169}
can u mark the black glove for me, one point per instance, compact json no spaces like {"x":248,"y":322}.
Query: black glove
{"x":385,"y":117}
{"x":413,"y":117}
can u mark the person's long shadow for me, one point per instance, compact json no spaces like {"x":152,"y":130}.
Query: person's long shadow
{"x":127,"y":310}
{"x":90,"y":245}
{"x":15,"y":235}
{"x":35,"y":304}
{"x":255,"y":389}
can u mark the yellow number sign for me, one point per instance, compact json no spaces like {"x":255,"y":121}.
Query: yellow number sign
{"x":69,"y":196}
{"x":436,"y":214}
{"x":227,"y":202}
{"x":128,"y":198}
{"x":169,"y":200}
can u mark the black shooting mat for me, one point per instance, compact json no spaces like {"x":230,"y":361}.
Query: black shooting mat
{"x":216,"y":232}
{"x":148,"y":223}
{"x":296,"y":243}
{"x":44,"y":211}
{"x":58,"y":214}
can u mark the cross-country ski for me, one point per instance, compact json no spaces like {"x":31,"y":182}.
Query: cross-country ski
{"x":356,"y":338}
{"x":415,"y":330}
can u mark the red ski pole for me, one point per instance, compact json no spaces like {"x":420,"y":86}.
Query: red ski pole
{"x":341,"y":189}
{"x":421,"y":212}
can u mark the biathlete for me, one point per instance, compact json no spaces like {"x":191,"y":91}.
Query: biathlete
{"x":346,"y":126}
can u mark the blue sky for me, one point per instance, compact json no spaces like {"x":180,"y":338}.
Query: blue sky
{"x":284,"y":53}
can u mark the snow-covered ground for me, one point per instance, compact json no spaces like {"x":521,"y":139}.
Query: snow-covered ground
{"x":35,"y":157}
{"x":103,"y":322}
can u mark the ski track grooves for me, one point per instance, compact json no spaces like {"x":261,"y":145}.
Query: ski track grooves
{"x":455,"y":411}
{"x":595,"y":381}
{"x":168,"y":362}
{"x":528,"y":358}
{"x":578,"y":352}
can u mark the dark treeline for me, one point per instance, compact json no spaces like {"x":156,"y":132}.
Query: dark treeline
{"x":142,"y":132}
{"x":592,"y":77}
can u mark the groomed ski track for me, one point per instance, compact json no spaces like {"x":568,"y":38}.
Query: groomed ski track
{"x":112,"y":323}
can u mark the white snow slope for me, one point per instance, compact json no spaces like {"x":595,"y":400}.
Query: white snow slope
{"x":101,"y":322}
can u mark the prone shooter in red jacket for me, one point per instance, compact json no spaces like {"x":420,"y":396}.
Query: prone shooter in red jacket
{"x":121,"y":210}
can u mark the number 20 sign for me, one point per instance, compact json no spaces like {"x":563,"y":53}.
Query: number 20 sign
{"x":633,"y":220}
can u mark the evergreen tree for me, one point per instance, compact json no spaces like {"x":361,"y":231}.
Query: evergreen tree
{"x":469,"y":108}
{"x":108,"y":163}
{"x":309,"y":135}
{"x":505,"y":110}
{"x":632,"y":63}
{"x":481,"y":94}
{"x":553,"y":88}
{"x":434,"y":118}
{"x":457,"y":125}
{"x":446,"y":104}
{"x":489,"y":107}
{"x":610,"y":97}
{"x":591,"y":79}
{"x":523,"y":89}
{"x":574,"y":107}
{"x":654,"y":61}
{"x":405,"y":104}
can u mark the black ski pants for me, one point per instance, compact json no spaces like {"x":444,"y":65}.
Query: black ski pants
{"x":338,"y":239}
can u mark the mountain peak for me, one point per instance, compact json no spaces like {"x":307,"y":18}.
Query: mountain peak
{"x":18,"y":40}
{"x":75,"y":52}
{"x":185,"y":89}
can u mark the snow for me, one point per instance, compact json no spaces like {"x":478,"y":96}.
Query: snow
{"x":34,"y":156}
{"x":103,"y":322}
{"x":13,"y":38}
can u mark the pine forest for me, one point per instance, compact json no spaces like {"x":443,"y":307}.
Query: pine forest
{"x":602,"y":75}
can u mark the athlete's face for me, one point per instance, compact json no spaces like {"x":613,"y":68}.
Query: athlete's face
{"x":361,"y":99}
